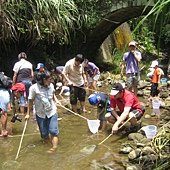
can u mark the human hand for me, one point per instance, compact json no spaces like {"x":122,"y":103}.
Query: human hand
{"x":27,"y":116}
{"x":114,"y":128}
{"x":70,"y":83}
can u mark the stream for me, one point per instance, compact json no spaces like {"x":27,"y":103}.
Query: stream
{"x":74,"y":136}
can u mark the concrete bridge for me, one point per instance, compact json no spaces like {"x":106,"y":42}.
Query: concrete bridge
{"x":121,"y":11}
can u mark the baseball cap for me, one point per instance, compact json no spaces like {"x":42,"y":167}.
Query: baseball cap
{"x":154,"y":63}
{"x":132,"y":43}
{"x":40,"y":65}
{"x":18,"y":87}
{"x":116,"y":88}
{"x":93,"y":99}
{"x":58,"y":85}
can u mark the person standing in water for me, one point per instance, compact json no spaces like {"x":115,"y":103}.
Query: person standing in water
{"x":77,"y":81}
{"x":42,"y":95}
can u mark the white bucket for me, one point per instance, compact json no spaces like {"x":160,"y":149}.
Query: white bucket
{"x":150,"y":131}
{"x":156,"y":104}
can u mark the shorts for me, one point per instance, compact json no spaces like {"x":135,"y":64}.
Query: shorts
{"x":4,"y":99}
{"x":154,"y":90}
{"x":138,"y":113}
{"x":48,"y":126}
{"x":77,"y":93}
{"x":132,"y":80}
{"x":28,"y":84}
{"x":95,"y":78}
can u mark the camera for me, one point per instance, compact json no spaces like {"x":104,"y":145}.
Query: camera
{"x":16,"y":117}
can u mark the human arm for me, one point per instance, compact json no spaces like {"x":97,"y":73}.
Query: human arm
{"x":114,"y":113}
{"x":30,"y":105}
{"x":122,"y":67}
{"x":121,"y":119}
{"x":137,"y":55}
{"x":14,"y":79}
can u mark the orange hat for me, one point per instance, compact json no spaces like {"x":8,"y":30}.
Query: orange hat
{"x":18,"y":87}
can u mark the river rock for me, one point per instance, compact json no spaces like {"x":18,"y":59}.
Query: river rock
{"x":148,"y":150}
{"x":167,"y":118}
{"x":133,"y":167}
{"x":147,"y":116}
{"x":134,"y":154}
{"x":126,"y":150}
{"x":135,"y":136}
{"x":148,"y":158}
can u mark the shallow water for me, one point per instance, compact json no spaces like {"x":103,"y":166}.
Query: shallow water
{"x":74,"y":137}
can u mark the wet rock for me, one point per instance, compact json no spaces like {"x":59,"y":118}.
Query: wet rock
{"x":140,"y":93}
{"x":134,"y":154}
{"x":153,"y":114}
{"x":167,"y":118}
{"x":147,"y":116}
{"x":148,"y":158}
{"x":140,"y":145}
{"x":164,"y":94}
{"x":126,"y":150}
{"x":133,"y":167}
{"x":135,"y":136}
{"x":148,"y":150}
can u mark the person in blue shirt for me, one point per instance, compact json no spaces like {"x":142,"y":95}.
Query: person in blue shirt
{"x":102,"y":101}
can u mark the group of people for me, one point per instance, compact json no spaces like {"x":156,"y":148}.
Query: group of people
{"x":36,"y":89}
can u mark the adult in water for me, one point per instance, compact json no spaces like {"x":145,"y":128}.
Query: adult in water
{"x":42,"y":95}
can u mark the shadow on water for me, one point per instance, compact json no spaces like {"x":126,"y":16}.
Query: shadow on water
{"x":74,"y":136}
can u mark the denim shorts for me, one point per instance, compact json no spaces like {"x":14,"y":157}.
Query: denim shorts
{"x":48,"y":126}
{"x":4,"y":99}
{"x":28,"y":84}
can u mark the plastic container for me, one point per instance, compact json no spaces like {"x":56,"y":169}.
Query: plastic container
{"x":156,"y":104}
{"x":164,"y":81}
{"x":150,"y":131}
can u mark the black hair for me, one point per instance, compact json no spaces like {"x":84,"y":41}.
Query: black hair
{"x":79,"y":57}
{"x":22,"y":55}
{"x":40,"y":76}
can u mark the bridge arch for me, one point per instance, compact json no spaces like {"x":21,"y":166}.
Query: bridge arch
{"x":108,"y":24}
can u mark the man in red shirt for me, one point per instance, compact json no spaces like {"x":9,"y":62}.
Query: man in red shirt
{"x":128,"y":105}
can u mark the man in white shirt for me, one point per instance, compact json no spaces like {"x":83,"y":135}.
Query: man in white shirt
{"x":23,"y":73}
{"x":77,"y":80}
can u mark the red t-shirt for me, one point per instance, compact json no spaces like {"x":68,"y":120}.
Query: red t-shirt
{"x":128,"y":100}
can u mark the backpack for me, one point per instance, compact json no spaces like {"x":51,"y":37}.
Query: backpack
{"x":5,"y":81}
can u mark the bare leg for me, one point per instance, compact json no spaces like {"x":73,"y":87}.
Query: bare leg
{"x":4,"y":124}
{"x":94,"y":85}
{"x":82,"y":104}
{"x":54,"y":141}
{"x":74,"y":108}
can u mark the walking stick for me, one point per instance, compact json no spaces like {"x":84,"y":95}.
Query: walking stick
{"x":21,"y":139}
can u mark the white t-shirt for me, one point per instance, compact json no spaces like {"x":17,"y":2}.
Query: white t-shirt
{"x":74,"y":73}
{"x":23,"y":69}
{"x":41,"y":94}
